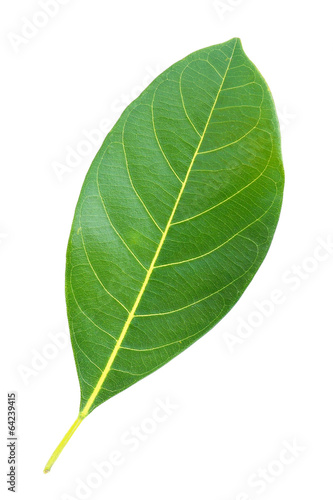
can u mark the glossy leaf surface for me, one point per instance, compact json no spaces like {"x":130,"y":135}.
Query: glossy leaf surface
{"x":175,"y":216}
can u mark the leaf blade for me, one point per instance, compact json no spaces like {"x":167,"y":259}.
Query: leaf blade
{"x":160,"y":246}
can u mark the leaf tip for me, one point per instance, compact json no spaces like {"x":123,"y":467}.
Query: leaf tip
{"x":235,"y":40}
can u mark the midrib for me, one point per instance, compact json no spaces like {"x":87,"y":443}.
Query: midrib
{"x":131,"y":315}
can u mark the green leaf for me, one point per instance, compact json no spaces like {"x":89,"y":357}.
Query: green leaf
{"x":175,"y":216}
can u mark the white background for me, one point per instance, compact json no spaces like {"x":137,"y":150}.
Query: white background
{"x":236,"y":406}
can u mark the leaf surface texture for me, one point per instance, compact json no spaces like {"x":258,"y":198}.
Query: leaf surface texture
{"x":175,"y":216}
